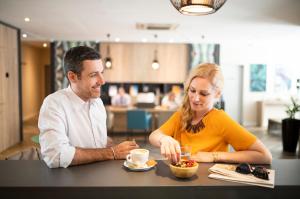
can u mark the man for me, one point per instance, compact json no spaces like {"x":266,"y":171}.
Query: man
{"x":72,"y":121}
{"x":121,"y":99}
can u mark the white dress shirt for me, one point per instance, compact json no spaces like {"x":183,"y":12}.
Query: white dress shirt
{"x":66,"y":122}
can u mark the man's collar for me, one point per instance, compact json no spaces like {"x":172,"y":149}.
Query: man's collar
{"x":75,"y":98}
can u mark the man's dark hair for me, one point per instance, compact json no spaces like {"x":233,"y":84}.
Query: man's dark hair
{"x":75,"y":56}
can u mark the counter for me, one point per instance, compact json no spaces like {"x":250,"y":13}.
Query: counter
{"x":109,"y":179}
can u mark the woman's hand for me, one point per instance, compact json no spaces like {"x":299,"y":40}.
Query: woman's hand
{"x":170,"y":148}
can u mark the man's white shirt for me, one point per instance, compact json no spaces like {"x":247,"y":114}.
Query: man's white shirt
{"x":66,"y":122}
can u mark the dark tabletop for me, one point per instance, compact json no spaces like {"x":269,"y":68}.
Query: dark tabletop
{"x":112,"y":180}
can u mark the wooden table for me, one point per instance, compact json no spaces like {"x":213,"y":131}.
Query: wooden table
{"x":109,"y":179}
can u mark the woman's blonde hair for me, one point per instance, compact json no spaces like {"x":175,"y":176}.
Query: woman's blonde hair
{"x":208,"y":71}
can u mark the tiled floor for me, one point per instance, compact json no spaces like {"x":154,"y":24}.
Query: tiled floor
{"x":271,"y":140}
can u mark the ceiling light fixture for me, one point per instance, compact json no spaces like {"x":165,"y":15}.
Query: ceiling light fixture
{"x":197,"y":7}
{"x":27,"y":19}
{"x":155,"y":63}
{"x":108,"y":60}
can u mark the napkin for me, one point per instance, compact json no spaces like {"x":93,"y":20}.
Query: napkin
{"x":227,"y":172}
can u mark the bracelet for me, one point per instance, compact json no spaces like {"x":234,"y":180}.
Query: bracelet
{"x":112,"y":149}
{"x":215,"y":156}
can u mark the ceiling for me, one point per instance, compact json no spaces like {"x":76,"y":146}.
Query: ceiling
{"x":238,"y":20}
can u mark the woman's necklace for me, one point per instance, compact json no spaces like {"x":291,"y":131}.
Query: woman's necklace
{"x":195,"y":128}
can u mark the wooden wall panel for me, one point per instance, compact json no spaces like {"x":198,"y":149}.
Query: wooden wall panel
{"x":2,"y":61}
{"x":2,"y":73}
{"x":132,"y":62}
{"x":10,"y":129}
{"x":3,"y":128}
{"x":2,"y":30}
{"x":11,"y":107}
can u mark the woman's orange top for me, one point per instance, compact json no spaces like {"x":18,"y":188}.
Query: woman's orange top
{"x":219,"y":132}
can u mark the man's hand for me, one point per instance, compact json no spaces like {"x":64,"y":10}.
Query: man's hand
{"x":122,"y":150}
{"x":110,"y":142}
{"x":170,"y":148}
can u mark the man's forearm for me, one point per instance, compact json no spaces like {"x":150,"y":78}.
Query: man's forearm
{"x":85,"y":156}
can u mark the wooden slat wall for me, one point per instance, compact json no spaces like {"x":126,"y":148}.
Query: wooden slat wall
{"x":132,"y":62}
{"x":9,"y":94}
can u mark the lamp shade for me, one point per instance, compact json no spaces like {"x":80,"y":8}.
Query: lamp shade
{"x":155,"y":64}
{"x":197,"y":7}
{"x":108,"y":63}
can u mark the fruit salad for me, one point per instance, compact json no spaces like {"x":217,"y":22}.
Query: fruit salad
{"x":185,"y":163}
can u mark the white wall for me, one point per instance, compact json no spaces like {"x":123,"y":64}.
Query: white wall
{"x":234,"y":54}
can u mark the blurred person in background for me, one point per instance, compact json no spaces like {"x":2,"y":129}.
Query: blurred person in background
{"x":170,"y":101}
{"x":121,"y":99}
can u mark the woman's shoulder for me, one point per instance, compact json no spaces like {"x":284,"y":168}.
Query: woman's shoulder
{"x":218,"y":115}
{"x":176,"y":114}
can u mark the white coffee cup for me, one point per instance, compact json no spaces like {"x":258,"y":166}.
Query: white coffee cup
{"x":138,"y":157}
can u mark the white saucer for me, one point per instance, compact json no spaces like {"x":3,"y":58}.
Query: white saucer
{"x":134,"y":168}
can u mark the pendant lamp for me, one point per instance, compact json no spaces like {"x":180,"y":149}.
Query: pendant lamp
{"x":108,"y":60}
{"x":197,"y":7}
{"x":155,"y":63}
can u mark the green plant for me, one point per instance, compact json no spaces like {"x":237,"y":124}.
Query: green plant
{"x":293,"y":108}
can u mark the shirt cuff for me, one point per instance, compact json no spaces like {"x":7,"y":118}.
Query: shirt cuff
{"x":66,"y":156}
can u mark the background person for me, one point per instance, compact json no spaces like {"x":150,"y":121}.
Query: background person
{"x":121,"y":99}
{"x":207,"y":130}
{"x":72,"y":121}
{"x":170,"y":101}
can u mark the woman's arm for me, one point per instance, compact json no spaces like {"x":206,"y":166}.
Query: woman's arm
{"x":169,"y":147}
{"x":155,"y":137}
{"x":257,"y":153}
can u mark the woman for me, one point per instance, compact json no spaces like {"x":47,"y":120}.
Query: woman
{"x":207,"y":130}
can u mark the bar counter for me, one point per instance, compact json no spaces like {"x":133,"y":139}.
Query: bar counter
{"x":109,"y":179}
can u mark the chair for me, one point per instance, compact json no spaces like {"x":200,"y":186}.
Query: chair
{"x":139,"y":120}
{"x":35,"y":139}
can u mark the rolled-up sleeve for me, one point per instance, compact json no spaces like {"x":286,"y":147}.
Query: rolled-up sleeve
{"x":55,"y":145}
